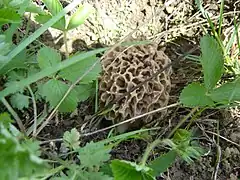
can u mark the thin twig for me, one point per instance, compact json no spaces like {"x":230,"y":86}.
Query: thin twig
{"x":132,"y":119}
{"x":14,"y":114}
{"x":234,"y":143}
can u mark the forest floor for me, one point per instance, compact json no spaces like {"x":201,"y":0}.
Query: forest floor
{"x":178,"y":28}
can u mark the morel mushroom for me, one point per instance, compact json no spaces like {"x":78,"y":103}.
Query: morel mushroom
{"x":123,"y":69}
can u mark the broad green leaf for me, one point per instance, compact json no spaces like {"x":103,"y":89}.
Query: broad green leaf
{"x":54,"y":91}
{"x":33,"y":8}
{"x":18,"y":158}
{"x":45,"y":18}
{"x":15,"y":3}
{"x":212,"y":61}
{"x":54,"y":7}
{"x":84,"y":91}
{"x":195,"y":94}
{"x":160,"y":164}
{"x":227,"y":93}
{"x":93,"y":176}
{"x":71,"y":139}
{"x":75,"y":71}
{"x":48,"y":57}
{"x":19,"y":101}
{"x":94,"y":154}
{"x":8,"y":15}
{"x":18,"y":62}
{"x":80,"y":16}
{"x":182,"y":135}
{"x":48,"y":71}
{"x":124,"y":170}
{"x":4,"y":46}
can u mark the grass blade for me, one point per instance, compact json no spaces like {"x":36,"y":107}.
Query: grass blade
{"x":40,"y":31}
{"x":48,"y":71}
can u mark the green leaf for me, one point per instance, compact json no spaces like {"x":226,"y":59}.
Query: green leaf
{"x":71,"y":139}
{"x":8,"y":15}
{"x":16,"y":63}
{"x":212,"y":61}
{"x":4,"y":46}
{"x":93,"y":176}
{"x":36,"y":34}
{"x":93,"y":154}
{"x":45,"y":18}
{"x":227,"y":93}
{"x":54,"y":91}
{"x":124,"y":170}
{"x":19,"y":101}
{"x":160,"y":164}
{"x":33,"y":8}
{"x":54,"y":7}
{"x":195,"y":95}
{"x":18,"y":158}
{"x":80,"y":16}
{"x":48,"y":57}
{"x":75,"y":71}
{"x":84,"y":91}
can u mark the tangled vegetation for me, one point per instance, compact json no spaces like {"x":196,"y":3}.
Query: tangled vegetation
{"x":33,"y":75}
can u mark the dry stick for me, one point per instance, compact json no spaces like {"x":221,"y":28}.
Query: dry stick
{"x":236,"y":144}
{"x":132,"y":119}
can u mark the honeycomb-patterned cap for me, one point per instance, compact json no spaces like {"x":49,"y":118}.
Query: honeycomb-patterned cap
{"x":123,"y":69}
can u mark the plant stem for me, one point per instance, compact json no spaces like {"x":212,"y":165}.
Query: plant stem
{"x":148,"y":151}
{"x":65,"y":43}
{"x":194,"y":117}
{"x":182,"y":121}
{"x":14,"y":114}
{"x":34,"y":111}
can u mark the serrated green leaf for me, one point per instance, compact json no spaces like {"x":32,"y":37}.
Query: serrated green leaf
{"x":16,"y":63}
{"x":33,"y":8}
{"x":19,"y":101}
{"x":123,"y":170}
{"x":71,"y":139}
{"x":54,"y":7}
{"x":54,"y":91}
{"x":160,"y":164}
{"x":16,"y":75}
{"x":73,"y":72}
{"x":93,"y":176}
{"x":84,"y":91}
{"x":182,"y":135}
{"x":8,"y":15}
{"x":212,"y":61}
{"x":227,"y":93}
{"x":80,"y":16}
{"x":195,"y":95}
{"x":93,"y":154}
{"x":4,"y":46}
{"x":48,"y":57}
{"x":45,"y":18}
{"x":18,"y":158}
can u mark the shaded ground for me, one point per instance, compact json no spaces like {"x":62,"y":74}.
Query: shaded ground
{"x":178,"y":28}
